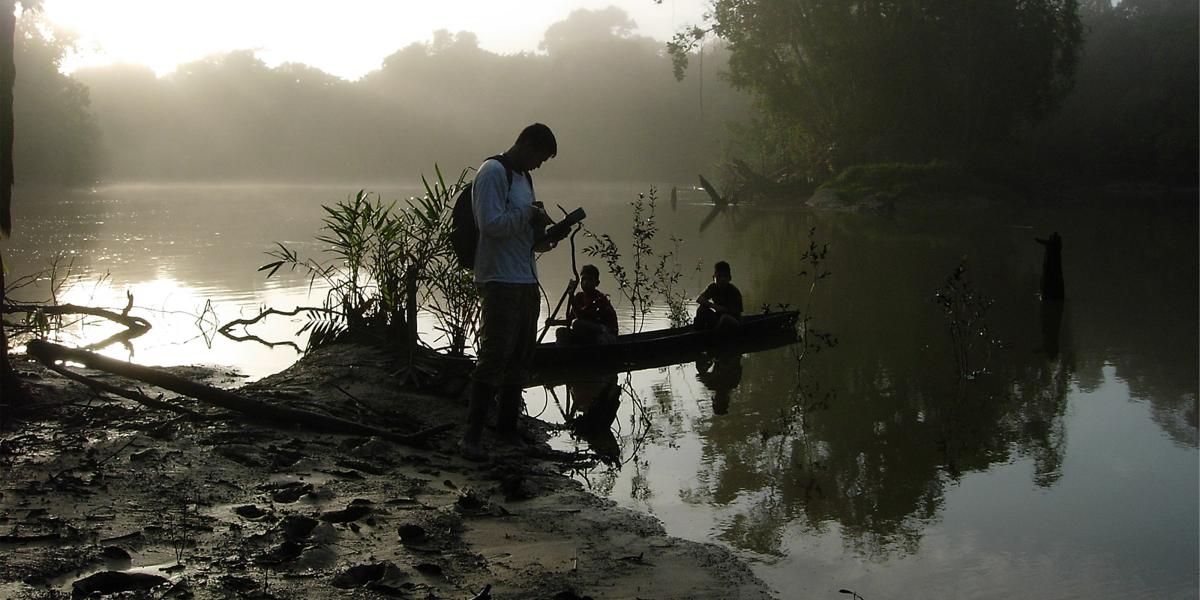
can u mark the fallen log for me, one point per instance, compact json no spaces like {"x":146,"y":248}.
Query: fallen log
{"x":108,"y":388}
{"x":48,"y":353}
{"x":717,"y":199}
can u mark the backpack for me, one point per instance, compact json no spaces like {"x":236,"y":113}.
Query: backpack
{"x":464,"y":233}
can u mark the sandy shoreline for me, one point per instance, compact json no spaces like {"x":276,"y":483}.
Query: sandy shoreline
{"x":251,"y":511}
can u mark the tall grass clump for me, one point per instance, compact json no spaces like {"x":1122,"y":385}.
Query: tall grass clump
{"x":382,"y":263}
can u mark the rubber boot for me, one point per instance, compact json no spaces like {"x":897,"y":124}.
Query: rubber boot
{"x":511,"y":403}
{"x":477,"y":412}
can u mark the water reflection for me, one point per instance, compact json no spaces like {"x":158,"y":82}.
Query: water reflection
{"x":1070,"y":463}
{"x":187,"y":253}
{"x":183,"y":323}
{"x":720,"y":373}
{"x":878,"y":459}
{"x":867,"y":443}
{"x":592,"y":406}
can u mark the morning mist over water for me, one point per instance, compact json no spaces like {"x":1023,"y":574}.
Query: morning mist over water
{"x":607,"y":92}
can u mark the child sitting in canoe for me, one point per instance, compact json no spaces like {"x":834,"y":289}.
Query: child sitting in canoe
{"x":593,"y":318}
{"x":720,"y":303}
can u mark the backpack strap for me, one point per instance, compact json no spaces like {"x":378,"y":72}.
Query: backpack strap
{"x":508,"y":170}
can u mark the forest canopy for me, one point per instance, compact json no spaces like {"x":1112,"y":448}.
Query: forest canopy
{"x":1133,"y":111}
{"x":858,"y":82}
{"x":56,"y":137}
{"x":990,"y":85}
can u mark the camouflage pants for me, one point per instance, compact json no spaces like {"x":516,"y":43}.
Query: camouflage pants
{"x":507,"y":333}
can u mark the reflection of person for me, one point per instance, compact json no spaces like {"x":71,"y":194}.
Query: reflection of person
{"x":1051,"y":313}
{"x":594,"y":320}
{"x":720,"y":302}
{"x":1052,"y":273}
{"x":509,"y":220}
{"x":597,"y":402}
{"x":721,"y":375}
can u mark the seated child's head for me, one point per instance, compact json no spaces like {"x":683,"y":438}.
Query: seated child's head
{"x":589,"y":277}
{"x":721,"y":273}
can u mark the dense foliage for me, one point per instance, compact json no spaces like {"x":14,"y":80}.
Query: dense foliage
{"x":56,"y":137}
{"x":1133,"y":113}
{"x":854,"y":82}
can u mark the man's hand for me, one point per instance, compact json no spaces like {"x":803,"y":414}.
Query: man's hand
{"x":558,"y":233}
{"x":540,"y":218}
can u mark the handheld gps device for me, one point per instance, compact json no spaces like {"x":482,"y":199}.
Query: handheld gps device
{"x":560,"y":229}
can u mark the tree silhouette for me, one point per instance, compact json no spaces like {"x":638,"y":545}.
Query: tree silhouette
{"x":8,"y":79}
{"x":886,"y":80}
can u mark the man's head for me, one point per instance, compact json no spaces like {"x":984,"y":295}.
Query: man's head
{"x":589,"y":277}
{"x":534,"y":146}
{"x":721,"y":272}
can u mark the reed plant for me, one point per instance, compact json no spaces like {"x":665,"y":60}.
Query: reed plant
{"x":388,"y":260}
{"x":51,"y":282}
{"x":965,"y":310}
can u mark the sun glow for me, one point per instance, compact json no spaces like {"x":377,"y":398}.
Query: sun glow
{"x":183,"y":325}
{"x":348,"y":38}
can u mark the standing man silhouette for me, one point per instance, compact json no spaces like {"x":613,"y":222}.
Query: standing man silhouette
{"x":510,"y":221}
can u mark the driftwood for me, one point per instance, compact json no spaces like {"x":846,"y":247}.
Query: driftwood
{"x":48,"y":353}
{"x":782,"y":184}
{"x":719,"y":204}
{"x":717,"y":199}
{"x":227,"y":329}
{"x":134,"y":326}
{"x":103,"y":387}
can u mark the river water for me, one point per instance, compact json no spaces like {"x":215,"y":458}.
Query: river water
{"x":1062,"y":465}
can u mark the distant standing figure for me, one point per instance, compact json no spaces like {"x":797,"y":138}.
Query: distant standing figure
{"x":1052,"y":272}
{"x":720,"y":303}
{"x":594,"y":320}
{"x":509,"y":220}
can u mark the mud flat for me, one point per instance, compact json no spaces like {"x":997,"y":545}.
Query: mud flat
{"x":101,"y":496}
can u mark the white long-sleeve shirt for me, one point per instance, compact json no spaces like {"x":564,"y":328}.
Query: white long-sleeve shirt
{"x":503,"y":215}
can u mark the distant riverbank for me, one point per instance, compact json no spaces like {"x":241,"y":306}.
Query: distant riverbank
{"x":940,"y":185}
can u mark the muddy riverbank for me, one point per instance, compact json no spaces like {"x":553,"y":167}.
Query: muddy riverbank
{"x":100,"y":494}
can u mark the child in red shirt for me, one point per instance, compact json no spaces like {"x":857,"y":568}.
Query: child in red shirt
{"x":593,"y":316}
{"x":720,"y":303}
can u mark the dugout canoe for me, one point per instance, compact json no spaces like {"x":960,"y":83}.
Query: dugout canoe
{"x":650,"y":349}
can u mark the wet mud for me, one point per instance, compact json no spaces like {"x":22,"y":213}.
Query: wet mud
{"x":102,"y":497}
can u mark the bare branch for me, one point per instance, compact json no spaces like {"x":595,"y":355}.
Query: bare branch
{"x":226,"y":329}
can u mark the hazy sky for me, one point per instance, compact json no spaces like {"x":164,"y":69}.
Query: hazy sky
{"x":344,"y":37}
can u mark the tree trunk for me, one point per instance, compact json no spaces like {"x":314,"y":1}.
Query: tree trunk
{"x":9,"y":391}
{"x":8,"y":77}
{"x":8,"y":74}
